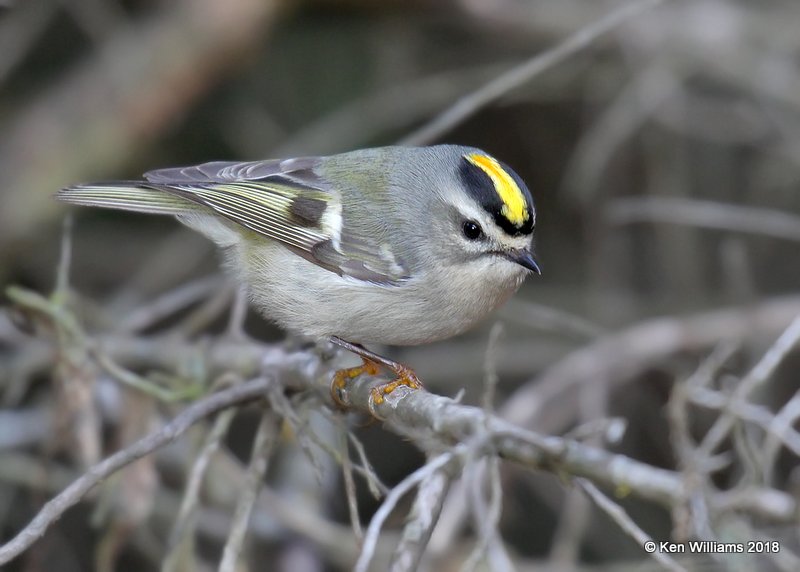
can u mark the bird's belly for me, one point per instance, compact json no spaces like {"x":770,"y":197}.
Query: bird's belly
{"x":307,"y":299}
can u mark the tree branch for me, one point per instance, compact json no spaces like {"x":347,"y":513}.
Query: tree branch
{"x":70,"y":496}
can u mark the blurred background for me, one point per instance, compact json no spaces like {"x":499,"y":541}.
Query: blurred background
{"x":663,"y":157}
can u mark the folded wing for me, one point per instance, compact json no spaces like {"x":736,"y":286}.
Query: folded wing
{"x":284,"y":200}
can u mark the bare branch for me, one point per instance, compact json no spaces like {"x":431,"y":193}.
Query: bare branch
{"x":65,"y":257}
{"x":420,"y":475}
{"x":183,"y":527}
{"x":486,"y":516}
{"x":437,"y":421}
{"x":262,"y":447}
{"x":626,"y":523}
{"x":349,"y":483}
{"x":619,"y":356}
{"x":518,"y":76}
{"x":571,"y":529}
{"x":779,"y":433}
{"x":238,"y":313}
{"x":434,"y":422}
{"x":706,"y":214}
{"x":20,"y":30}
{"x":758,"y":415}
{"x":757,"y":376}
{"x":56,"y":507}
{"x":376,"y":487}
{"x":422,"y":519}
{"x":173,"y":301}
{"x":126,"y":90}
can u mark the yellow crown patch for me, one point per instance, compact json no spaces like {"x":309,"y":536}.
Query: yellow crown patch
{"x":514,"y":207}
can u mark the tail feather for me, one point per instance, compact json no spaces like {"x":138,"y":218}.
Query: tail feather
{"x":129,"y":196}
{"x":145,"y":198}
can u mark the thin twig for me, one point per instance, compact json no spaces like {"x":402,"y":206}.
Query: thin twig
{"x":688,"y":521}
{"x":490,"y":376}
{"x":626,"y":523}
{"x":70,"y":496}
{"x":570,"y":529}
{"x":173,"y":301}
{"x":262,"y":447}
{"x":706,"y":214}
{"x":140,"y":383}
{"x":349,"y":484}
{"x":779,"y":430}
{"x":550,"y":399}
{"x":546,"y":318}
{"x":306,"y":436}
{"x":391,"y":109}
{"x":759,"y":375}
{"x":375,"y":485}
{"x":203,"y":316}
{"x":65,"y":258}
{"x":486,"y":517}
{"x":452,"y":521}
{"x":422,"y":519}
{"x":238,"y":313}
{"x":759,"y":415}
{"x":520,"y":75}
{"x":412,"y":480}
{"x":183,"y":527}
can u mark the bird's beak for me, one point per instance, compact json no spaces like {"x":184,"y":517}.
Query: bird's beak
{"x":524,"y":257}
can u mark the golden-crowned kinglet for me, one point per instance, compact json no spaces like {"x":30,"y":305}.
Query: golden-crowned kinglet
{"x":394,"y":245}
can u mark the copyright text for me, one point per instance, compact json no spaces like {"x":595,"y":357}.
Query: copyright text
{"x":713,"y":547}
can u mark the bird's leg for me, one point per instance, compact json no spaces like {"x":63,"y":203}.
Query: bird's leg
{"x":372,"y":363}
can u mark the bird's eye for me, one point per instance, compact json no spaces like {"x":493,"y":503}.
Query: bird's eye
{"x":472,"y":230}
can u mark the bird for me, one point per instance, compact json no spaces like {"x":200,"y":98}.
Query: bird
{"x":391,"y":245}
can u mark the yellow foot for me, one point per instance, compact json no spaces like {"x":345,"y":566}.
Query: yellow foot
{"x":372,"y":364}
{"x":405,"y":377}
{"x":340,"y":379}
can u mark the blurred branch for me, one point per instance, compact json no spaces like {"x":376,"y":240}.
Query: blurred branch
{"x":56,"y":507}
{"x":705,"y":214}
{"x":97,"y":117}
{"x":432,"y":421}
{"x":616,"y":358}
{"x":518,"y":76}
{"x":759,"y":415}
{"x":540,"y":317}
{"x":24,"y":427}
{"x":262,"y":448}
{"x":422,"y":519}
{"x":162,"y":351}
{"x":419,"y":476}
{"x":349,"y":483}
{"x":397,"y":107}
{"x":98,"y":18}
{"x":175,"y":300}
{"x":626,"y":523}
{"x":617,"y":123}
{"x":758,"y":376}
{"x":779,"y":433}
{"x":20,"y":30}
{"x":181,"y":538}
{"x":333,"y":539}
{"x":482,"y":474}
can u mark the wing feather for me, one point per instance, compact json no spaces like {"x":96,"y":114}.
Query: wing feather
{"x":285,"y":200}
